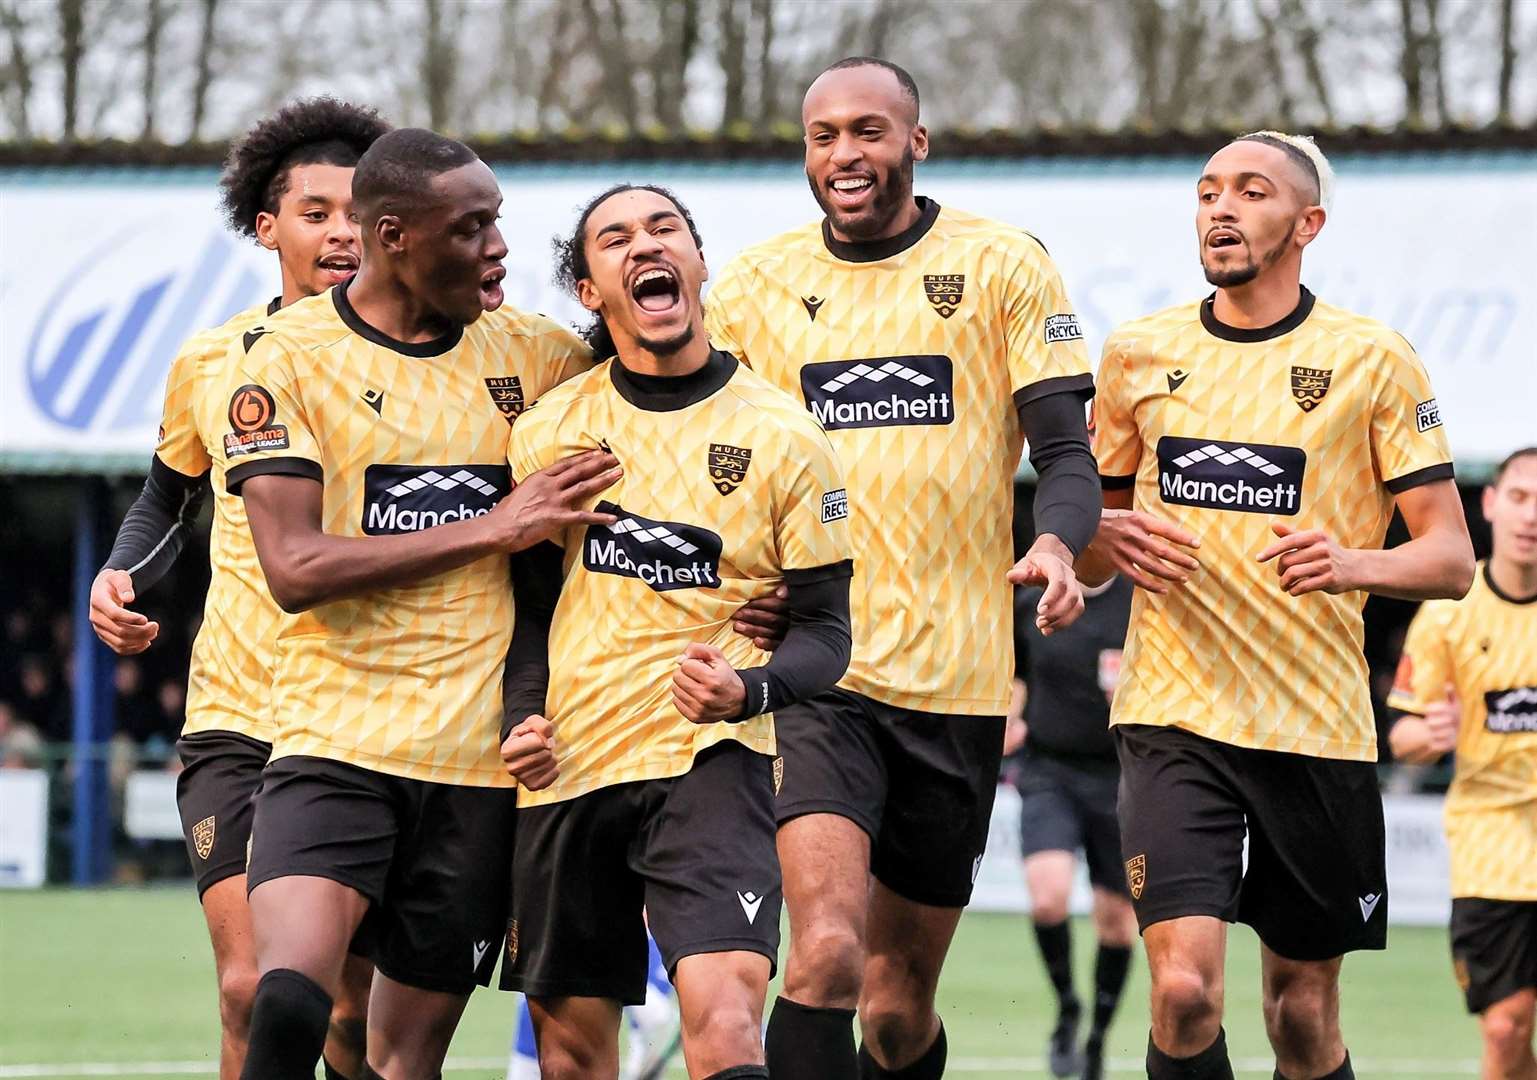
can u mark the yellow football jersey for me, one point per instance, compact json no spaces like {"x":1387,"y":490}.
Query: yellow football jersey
{"x":231,"y":670}
{"x":402,"y":437}
{"x":1316,"y":422}
{"x":1485,"y":645}
{"x":718,"y":500}
{"x":913,"y":353}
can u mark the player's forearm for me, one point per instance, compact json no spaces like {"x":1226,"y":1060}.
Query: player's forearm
{"x":1409,"y":739}
{"x":1437,"y":564}
{"x":305,"y":569}
{"x":155,"y":529}
{"x":816,"y":649}
{"x":536,"y":581}
{"x":1067,"y":493}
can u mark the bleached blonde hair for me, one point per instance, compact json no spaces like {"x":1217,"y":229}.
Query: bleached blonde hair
{"x":1308,"y":148}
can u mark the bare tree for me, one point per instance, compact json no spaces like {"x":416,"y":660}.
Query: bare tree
{"x":768,"y":76}
{"x":731,"y":52}
{"x":1507,"y":58}
{"x":1270,"y":34}
{"x":439,"y":56}
{"x":679,"y":40}
{"x":1147,"y":37}
{"x":18,"y":69}
{"x":71,"y":56}
{"x":1306,"y":33}
{"x":1433,"y":56}
{"x":154,"y":25}
{"x":203,"y":80}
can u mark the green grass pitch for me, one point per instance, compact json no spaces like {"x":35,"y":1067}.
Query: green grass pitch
{"x":120,"y":983}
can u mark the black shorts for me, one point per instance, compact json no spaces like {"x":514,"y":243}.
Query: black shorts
{"x":921,"y":784}
{"x":1494,"y":948}
{"x":1315,"y":886}
{"x":430,"y":858}
{"x":1068,"y":804}
{"x":692,"y":856}
{"x":220,"y":772}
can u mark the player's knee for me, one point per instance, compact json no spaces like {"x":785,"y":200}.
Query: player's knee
{"x":568,"y":1059}
{"x":1507,"y":1036}
{"x":237,"y":994}
{"x":726,"y":1030}
{"x":1300,"y":1015}
{"x":1186,"y":1000}
{"x":1049,"y":906}
{"x":827,"y":967}
{"x":348,"y":1034}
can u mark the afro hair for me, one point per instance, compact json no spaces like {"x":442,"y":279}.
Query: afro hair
{"x":319,"y":130}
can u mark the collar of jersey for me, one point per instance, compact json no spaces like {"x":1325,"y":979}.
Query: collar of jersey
{"x":1502,"y":594}
{"x":875,"y":250}
{"x":669,"y":393}
{"x":436,"y":347}
{"x":1218,"y":329}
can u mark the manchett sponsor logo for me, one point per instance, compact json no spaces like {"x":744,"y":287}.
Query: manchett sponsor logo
{"x":665,"y":555}
{"x":409,"y":498}
{"x":1255,"y":478}
{"x":885,"y":391}
{"x":1511,"y":711}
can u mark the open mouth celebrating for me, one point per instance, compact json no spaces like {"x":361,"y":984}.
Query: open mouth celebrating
{"x":338,"y":267}
{"x":851,"y":191}
{"x":491,"y":288}
{"x":655,"y":290}
{"x":1218,"y":239}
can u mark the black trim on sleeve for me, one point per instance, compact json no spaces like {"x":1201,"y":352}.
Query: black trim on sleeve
{"x":436,"y":347}
{"x":876,"y":250}
{"x":1248,"y":335}
{"x":283,"y":466}
{"x":1081,"y":385}
{"x":1419,"y":477}
{"x":154,"y":531}
{"x":815,"y":575}
{"x":1117,"y":483}
{"x":816,"y":649}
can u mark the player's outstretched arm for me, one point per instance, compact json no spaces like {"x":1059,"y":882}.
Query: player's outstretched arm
{"x":1436,"y":563}
{"x":306,"y":566}
{"x":1143,"y":547}
{"x":148,"y":543}
{"x":528,"y":739}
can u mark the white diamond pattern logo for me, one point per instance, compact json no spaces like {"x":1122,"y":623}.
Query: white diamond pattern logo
{"x":433,"y":478}
{"x":655,"y":534}
{"x":876,"y":375}
{"x":1229,"y":457}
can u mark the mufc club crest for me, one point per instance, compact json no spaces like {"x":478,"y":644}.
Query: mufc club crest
{"x":944,"y":292}
{"x":507,"y":395}
{"x":728,"y":466}
{"x":1136,"y":875}
{"x":1309,"y":385}
{"x":202,"y":837}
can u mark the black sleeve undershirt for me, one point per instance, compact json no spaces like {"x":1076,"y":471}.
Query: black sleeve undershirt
{"x":155,"y":529}
{"x":813,"y":657}
{"x":1067,"y":493}
{"x":816,"y":649}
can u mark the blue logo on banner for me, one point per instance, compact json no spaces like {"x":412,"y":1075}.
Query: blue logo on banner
{"x":105,"y":339}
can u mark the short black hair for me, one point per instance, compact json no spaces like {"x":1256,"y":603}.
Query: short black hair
{"x":571,"y":256}
{"x":393,"y":176}
{"x":1299,"y":158}
{"x":904,"y":80}
{"x":1511,"y":459}
{"x":315,"y":131}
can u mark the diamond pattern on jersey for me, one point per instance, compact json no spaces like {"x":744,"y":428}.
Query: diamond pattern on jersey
{"x":1229,"y":457}
{"x":876,"y":374}
{"x":443,"y":483}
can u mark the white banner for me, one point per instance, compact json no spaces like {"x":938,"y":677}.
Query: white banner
{"x":1419,"y":875}
{"x":103,"y":276}
{"x":23,"y":828}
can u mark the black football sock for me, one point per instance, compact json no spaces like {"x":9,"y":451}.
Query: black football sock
{"x":1056,"y":942}
{"x":1344,"y":1072}
{"x":930,"y":1066}
{"x":289,"y":1019}
{"x":1110,"y":969}
{"x":741,"y":1072}
{"x":810,"y":1043}
{"x":1209,"y":1064}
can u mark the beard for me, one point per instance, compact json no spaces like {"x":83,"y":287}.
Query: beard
{"x":667,"y":346}
{"x":891,"y":194}
{"x":1241,"y":275}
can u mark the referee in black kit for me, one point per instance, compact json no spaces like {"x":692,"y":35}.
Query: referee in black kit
{"x":1062,"y":760}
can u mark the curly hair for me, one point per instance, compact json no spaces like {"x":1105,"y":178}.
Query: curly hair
{"x":320,"y":130}
{"x":571,"y":257}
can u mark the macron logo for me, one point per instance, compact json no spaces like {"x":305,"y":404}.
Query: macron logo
{"x":480,"y":948}
{"x":1368,"y":905}
{"x":750,"y":905}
